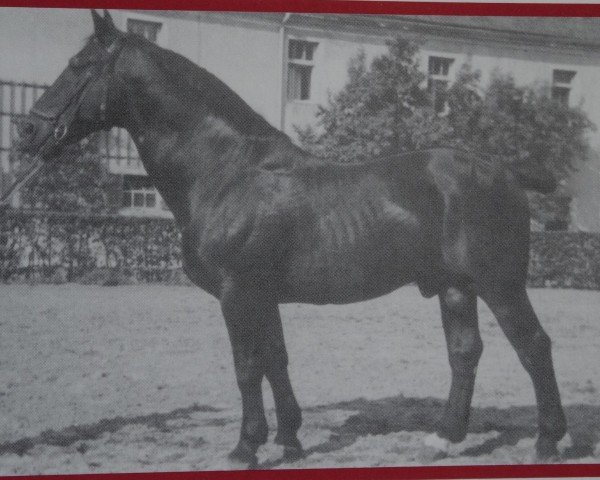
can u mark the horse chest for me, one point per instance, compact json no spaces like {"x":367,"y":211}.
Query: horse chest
{"x":221,"y":244}
{"x":197,"y":263}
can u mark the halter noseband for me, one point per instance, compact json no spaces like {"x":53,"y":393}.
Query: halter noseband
{"x":64,"y":118}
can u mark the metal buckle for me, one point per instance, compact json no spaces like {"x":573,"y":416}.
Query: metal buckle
{"x":60,"y":132}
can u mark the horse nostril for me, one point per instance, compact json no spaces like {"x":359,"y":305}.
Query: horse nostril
{"x":28,"y":129}
{"x":25,"y":129}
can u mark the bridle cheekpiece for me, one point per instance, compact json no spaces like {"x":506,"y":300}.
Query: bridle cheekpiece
{"x":63,"y":118}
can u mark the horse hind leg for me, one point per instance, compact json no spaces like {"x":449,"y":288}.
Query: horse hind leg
{"x":519,"y":322}
{"x":459,"y":317}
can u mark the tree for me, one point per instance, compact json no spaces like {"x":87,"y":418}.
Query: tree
{"x":382,"y":110}
{"x":386,"y":108}
{"x":78,"y":181}
{"x":518,"y":124}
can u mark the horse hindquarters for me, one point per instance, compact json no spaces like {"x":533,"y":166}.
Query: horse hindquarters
{"x":489,"y":244}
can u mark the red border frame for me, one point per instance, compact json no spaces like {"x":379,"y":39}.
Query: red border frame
{"x":377,"y":473}
{"x":341,"y":6}
{"x":332,"y":6}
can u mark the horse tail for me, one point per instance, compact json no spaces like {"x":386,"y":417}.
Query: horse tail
{"x":530,"y":174}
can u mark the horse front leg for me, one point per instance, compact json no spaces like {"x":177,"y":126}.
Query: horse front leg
{"x":244,"y":309}
{"x":254,"y":324}
{"x":289,"y":415}
{"x":459,"y":317}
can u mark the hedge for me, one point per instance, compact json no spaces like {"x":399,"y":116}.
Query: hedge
{"x":565,"y":259}
{"x":58,"y":247}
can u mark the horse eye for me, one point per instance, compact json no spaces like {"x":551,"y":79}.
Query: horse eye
{"x":78,"y":62}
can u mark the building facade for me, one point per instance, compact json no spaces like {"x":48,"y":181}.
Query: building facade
{"x":286,"y":65}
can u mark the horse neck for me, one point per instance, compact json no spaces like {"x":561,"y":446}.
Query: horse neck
{"x":183,"y":141}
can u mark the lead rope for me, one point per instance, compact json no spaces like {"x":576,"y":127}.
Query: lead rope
{"x":20,"y":181}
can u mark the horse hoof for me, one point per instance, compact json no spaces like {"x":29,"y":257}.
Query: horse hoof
{"x":245,"y":454}
{"x":565,"y":444}
{"x":434,"y":441}
{"x":434,"y":448}
{"x":292,"y":448}
{"x":546,"y":451}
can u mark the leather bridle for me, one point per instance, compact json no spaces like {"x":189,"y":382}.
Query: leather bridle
{"x":63,"y":118}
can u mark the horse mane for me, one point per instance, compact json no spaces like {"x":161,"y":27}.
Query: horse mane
{"x":215,"y":94}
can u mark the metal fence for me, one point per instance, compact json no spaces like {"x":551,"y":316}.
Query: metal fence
{"x":17,"y":98}
{"x":59,"y":247}
{"x":15,"y":101}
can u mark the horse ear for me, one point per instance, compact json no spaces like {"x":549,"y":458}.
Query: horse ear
{"x":98,"y":20}
{"x":108,"y":19}
{"x":104,"y":28}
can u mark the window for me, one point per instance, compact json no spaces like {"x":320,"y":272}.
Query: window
{"x":138,"y":192}
{"x":143,"y":28}
{"x":561,"y":85}
{"x":300,"y":66}
{"x":438,"y":79}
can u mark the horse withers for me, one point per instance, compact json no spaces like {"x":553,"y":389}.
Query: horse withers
{"x":264,"y":222}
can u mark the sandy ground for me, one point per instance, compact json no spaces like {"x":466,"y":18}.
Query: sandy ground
{"x":140,"y":378}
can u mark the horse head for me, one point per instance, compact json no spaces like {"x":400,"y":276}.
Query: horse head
{"x":78,"y":102}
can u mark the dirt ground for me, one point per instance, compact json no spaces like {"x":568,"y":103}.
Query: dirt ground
{"x":140,"y":378}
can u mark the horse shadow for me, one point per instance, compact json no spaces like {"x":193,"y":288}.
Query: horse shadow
{"x":401,"y":414}
{"x":75,"y":434}
{"x":370,"y":417}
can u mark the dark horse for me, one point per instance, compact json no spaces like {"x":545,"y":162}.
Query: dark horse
{"x":264,"y":222}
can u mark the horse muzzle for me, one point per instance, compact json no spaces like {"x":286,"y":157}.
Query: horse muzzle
{"x":37,"y":136}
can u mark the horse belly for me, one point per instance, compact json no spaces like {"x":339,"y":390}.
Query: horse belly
{"x":352,"y":274}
